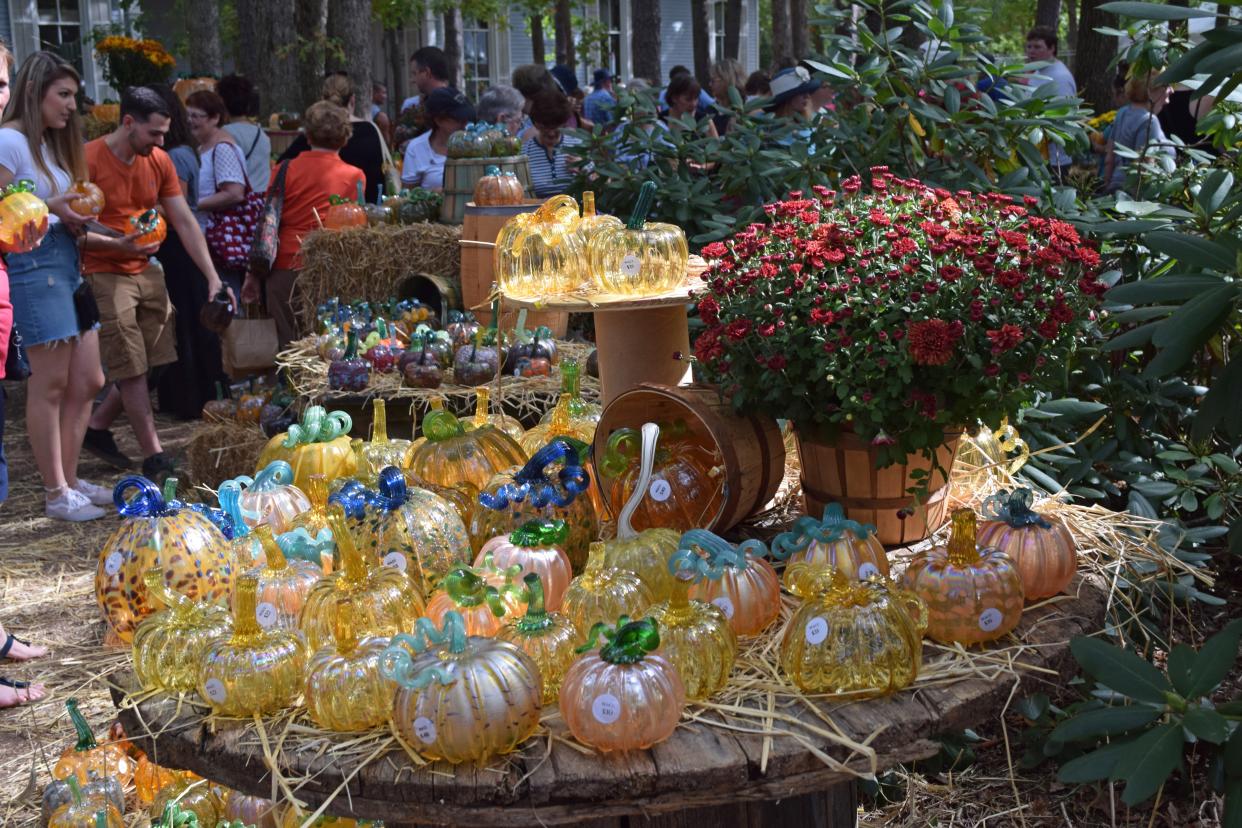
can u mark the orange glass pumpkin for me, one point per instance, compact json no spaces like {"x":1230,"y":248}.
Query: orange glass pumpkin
{"x":343,"y":214}
{"x":87,"y":758}
{"x":536,"y":549}
{"x":1040,"y":547}
{"x":686,"y":489}
{"x":626,"y":696}
{"x":150,"y":779}
{"x":603,"y":592}
{"x":19,"y":206}
{"x":483,"y":606}
{"x":498,"y":187}
{"x":282,"y":584}
{"x":549,"y":638}
{"x":453,"y":455}
{"x":89,"y":199}
{"x":270,"y":497}
{"x":736,"y":579}
{"x":845,"y":545}
{"x":972,"y":595}
{"x":319,"y":444}
{"x":150,"y":224}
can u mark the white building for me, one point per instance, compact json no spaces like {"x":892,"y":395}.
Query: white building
{"x":61,"y":26}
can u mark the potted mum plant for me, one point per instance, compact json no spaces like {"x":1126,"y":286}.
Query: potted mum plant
{"x":885,"y":321}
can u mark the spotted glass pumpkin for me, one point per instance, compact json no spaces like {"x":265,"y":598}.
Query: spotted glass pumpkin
{"x":416,"y":531}
{"x":695,"y":637}
{"x":151,"y":227}
{"x":158,"y":532}
{"x":86,"y":759}
{"x":736,"y":579}
{"x":497,"y":187}
{"x":643,"y":258}
{"x":972,"y":595}
{"x":602,"y":592}
{"x":549,"y":638}
{"x":461,"y":698}
{"x":344,"y":688}
{"x":452,"y":455}
{"x":686,"y":489}
{"x":626,"y":696}
{"x":539,"y":254}
{"x":1040,"y":547}
{"x":283,"y":584}
{"x":479,"y":597}
{"x":169,"y":645}
{"x":271,"y":497}
{"x":845,"y":545}
{"x":319,"y":444}
{"x":536,"y":549}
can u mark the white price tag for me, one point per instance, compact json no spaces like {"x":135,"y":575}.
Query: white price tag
{"x":659,"y":490}
{"x":726,"y":606}
{"x":868,"y":570}
{"x":631,"y":264}
{"x":990,"y":619}
{"x":396,"y":560}
{"x":606,"y":708}
{"x":215,"y":690}
{"x":816,"y":631}
{"x":266,"y":614}
{"x":425,"y":729}
{"x":112,"y":564}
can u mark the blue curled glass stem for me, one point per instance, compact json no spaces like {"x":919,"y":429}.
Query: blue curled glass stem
{"x":354,"y":498}
{"x":218,"y":517}
{"x":807,"y":530}
{"x":1014,"y":508}
{"x":531,"y":483}
{"x":230,"y":503}
{"x":392,"y":490}
{"x":147,"y":502}
{"x":275,"y":473}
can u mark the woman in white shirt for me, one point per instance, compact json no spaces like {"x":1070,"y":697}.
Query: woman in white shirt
{"x":222,"y":172}
{"x":449,"y":111}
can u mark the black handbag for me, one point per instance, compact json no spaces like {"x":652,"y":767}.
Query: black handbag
{"x":86,"y":307}
{"x":16,"y":366}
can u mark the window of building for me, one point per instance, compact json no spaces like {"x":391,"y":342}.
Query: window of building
{"x":610,"y":17}
{"x":476,"y":58}
{"x":60,"y":29}
{"x":718,"y":31}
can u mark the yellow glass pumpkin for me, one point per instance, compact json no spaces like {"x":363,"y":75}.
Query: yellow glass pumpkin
{"x":686,"y":490}
{"x":483,"y":606}
{"x":158,"y":532}
{"x":593,"y":222}
{"x":1040,"y":547}
{"x":625,"y":697}
{"x":381,"y":451}
{"x":294,"y":817}
{"x":87,"y":759}
{"x":854,"y":637}
{"x":549,"y":638}
{"x":602,"y":592}
{"x":85,"y":810}
{"x":845,"y":545}
{"x":643,"y":258}
{"x":696,"y":638}
{"x":484,"y":416}
{"x":270,"y":497}
{"x":536,"y":549}
{"x":452,"y":455}
{"x":169,"y":645}
{"x":314,"y":523}
{"x":736,"y":579}
{"x":498,"y":187}
{"x":540,"y":254}
{"x":979,"y":454}
{"x":465,"y":700}
{"x":972,"y":595}
{"x":344,"y":688}
{"x":416,"y":531}
{"x":319,"y":444}
{"x":19,"y":206}
{"x":385,"y":601}
{"x":188,"y":794}
{"x":581,"y":412}
{"x":558,"y":425}
{"x":282,"y":584}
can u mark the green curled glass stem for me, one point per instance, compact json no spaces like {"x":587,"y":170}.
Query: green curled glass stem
{"x":440,"y":425}
{"x":540,"y":533}
{"x":468,"y":589}
{"x":622,"y":447}
{"x":536,"y":619}
{"x":25,"y":185}
{"x":626,"y":643}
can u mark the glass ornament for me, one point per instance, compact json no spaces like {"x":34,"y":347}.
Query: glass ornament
{"x":19,"y":206}
{"x":465,"y":698}
{"x":312,"y":545}
{"x":452,"y":455}
{"x":283,"y":584}
{"x":686,"y":490}
{"x":602,"y":592}
{"x":152,"y":227}
{"x":344,"y":688}
{"x":737,"y":579}
{"x":559,"y":425}
{"x":549,"y":638}
{"x":581,"y":412}
{"x":169,"y":644}
{"x":256,"y":670}
{"x":695,"y":637}
{"x":497,"y":187}
{"x":482,"y":605}
{"x":845,"y":545}
{"x":85,"y":810}
{"x":973,"y":595}
{"x":854,"y":636}
{"x":158,"y":532}
{"x":381,"y":451}
{"x":351,"y":372}
{"x":643,"y":258}
{"x":1041,"y":548}
{"x":343,"y":214}
{"x":319,"y":444}
{"x":483,"y":416}
{"x":270,"y":497}
{"x":535,"y":547}
{"x":626,"y":696}
{"x":86,"y":759}
{"x":188,"y":795}
{"x":416,"y":531}
{"x":103,"y":791}
{"x":251,"y":811}
{"x":221,"y":409}
{"x":540,"y":253}
{"x":88,"y":199}
{"x":150,"y":778}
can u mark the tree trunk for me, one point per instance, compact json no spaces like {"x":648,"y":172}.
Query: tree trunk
{"x":453,"y":45}
{"x":314,"y":24}
{"x":1071,"y":28}
{"x":399,"y":77}
{"x":203,"y":29}
{"x":781,"y":45}
{"x":248,"y":51}
{"x":563,"y":23}
{"x":1093,"y":53}
{"x":645,"y":40}
{"x":538,"y":48}
{"x":277,"y":45}
{"x":1048,"y":13}
{"x":353,"y":28}
{"x":733,"y":30}
{"x":798,"y":28}
{"x":700,"y":32}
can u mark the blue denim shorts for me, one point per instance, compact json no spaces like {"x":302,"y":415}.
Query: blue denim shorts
{"x":42,"y":283}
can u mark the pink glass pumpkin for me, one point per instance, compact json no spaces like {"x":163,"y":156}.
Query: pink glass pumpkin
{"x":484,"y":608}
{"x":282,"y":584}
{"x":1040,"y":547}
{"x":270,"y":497}
{"x":536,"y":548}
{"x":737,"y":579}
{"x":845,"y":545}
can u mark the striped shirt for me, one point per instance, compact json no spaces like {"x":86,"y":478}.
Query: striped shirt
{"x":549,"y":168}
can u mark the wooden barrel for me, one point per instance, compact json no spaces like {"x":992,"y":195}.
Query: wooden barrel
{"x":482,"y":224}
{"x":845,"y":472}
{"x":440,"y":293}
{"x":461,"y":174}
{"x":752,"y":447}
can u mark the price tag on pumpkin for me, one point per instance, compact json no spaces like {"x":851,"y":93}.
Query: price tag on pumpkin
{"x":396,"y":560}
{"x":868,"y":570}
{"x":266,"y":614}
{"x":990,"y":619}
{"x":659,"y":490}
{"x":214,"y":688}
{"x":816,"y":631}
{"x":726,"y":606}
{"x":606,"y":708}
{"x":631,"y":265}
{"x":112,"y":564}
{"x":425,"y":729}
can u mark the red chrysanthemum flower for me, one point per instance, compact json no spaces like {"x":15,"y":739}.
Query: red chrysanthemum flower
{"x":932,"y":341}
{"x":1006,"y":337}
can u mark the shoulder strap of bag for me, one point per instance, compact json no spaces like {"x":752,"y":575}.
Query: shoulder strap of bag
{"x":258,"y":131}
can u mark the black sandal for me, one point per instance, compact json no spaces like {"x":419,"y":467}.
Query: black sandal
{"x":17,"y":684}
{"x":8,"y":645}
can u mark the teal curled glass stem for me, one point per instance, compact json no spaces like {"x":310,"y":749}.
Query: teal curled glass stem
{"x":1014,"y":508}
{"x":230,"y":503}
{"x":318,"y":426}
{"x":540,"y":533}
{"x":397,"y":665}
{"x":301,"y":545}
{"x":720,"y":554}
{"x":807,"y":530}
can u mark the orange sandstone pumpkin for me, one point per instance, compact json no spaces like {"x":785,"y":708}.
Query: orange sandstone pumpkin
{"x":498,"y":187}
{"x":836,"y":542}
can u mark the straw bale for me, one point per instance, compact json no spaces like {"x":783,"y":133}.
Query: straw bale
{"x":221,"y":451}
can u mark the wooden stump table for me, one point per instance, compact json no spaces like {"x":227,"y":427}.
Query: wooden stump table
{"x":703,"y":775}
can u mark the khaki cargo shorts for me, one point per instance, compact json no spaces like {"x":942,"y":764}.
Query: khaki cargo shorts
{"x":137,"y":330}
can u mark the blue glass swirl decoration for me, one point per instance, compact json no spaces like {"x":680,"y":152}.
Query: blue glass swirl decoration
{"x":1014,"y":508}
{"x":301,"y":545}
{"x":807,"y":530}
{"x":147,"y":500}
{"x":354,"y":498}
{"x":531,"y":483}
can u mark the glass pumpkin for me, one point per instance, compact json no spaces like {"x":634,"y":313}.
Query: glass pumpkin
{"x":593,"y":222}
{"x":381,"y":451}
{"x":686,"y":490}
{"x":385,"y":601}
{"x":535,"y":547}
{"x":1040,"y":547}
{"x":293,"y":817}
{"x":344,"y":688}
{"x":462,"y":327}
{"x":602,"y":592}
{"x":256,"y":670}
{"x":416,"y":531}
{"x":483,"y":606}
{"x":484,"y":416}
{"x":350,"y":372}
{"x":19,"y":206}
{"x":251,"y":811}
{"x":188,"y":795}
{"x":85,"y":810}
{"x":854,"y":637}
{"x":150,"y":778}
{"x":540,"y":253}
{"x":169,"y":645}
{"x":498,"y":187}
{"x":282,"y":584}
{"x":88,"y":199}
{"x":475,"y":364}
{"x":152,"y":227}
{"x":313,"y":523}
{"x":845,"y":545}
{"x":87,"y":759}
{"x":559,"y":425}
{"x":270,"y":497}
{"x":973,"y":595}
{"x":625,"y":697}
{"x":319,"y":444}
{"x":695,"y":637}
{"x":549,"y":638}
{"x":343,"y":214}
{"x":103,"y":791}
{"x":581,"y":412}
{"x":643,"y":258}
{"x":980,"y":454}
{"x":158,"y":532}
{"x":737,"y":579}
{"x":381,"y":350}
{"x":452,"y":455}
{"x":466,"y":699}
{"x":221,"y":409}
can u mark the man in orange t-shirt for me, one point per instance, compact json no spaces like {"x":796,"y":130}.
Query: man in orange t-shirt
{"x":136,"y":318}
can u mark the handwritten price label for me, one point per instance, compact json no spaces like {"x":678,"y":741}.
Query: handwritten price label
{"x":868,"y":570}
{"x":265,"y":613}
{"x":631,"y":264}
{"x":112,"y":564}
{"x":425,"y":730}
{"x":816,"y":631}
{"x":214,"y":688}
{"x":726,"y":606}
{"x":659,"y":490}
{"x":990,"y":619}
{"x":396,"y":560}
{"x":606,"y":708}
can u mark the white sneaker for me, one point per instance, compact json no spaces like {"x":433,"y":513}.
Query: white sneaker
{"x":72,"y":506}
{"x":97,"y":495}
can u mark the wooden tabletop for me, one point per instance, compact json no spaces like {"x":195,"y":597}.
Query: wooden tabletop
{"x":698,"y":766}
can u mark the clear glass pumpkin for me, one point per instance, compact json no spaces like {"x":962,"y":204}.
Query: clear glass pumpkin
{"x":604,"y":592}
{"x":319,"y":444}
{"x":158,"y":532}
{"x":498,"y":187}
{"x":737,"y":579}
{"x":86,"y":759}
{"x":270,"y":497}
{"x":169,"y":645}
{"x":540,"y":253}
{"x":549,"y":638}
{"x":416,"y":531}
{"x":581,"y":412}
{"x":483,"y":606}
{"x":558,"y":425}
{"x":626,"y":696}
{"x":845,"y":545}
{"x":535,"y":547}
{"x":382,"y":451}
{"x":344,"y":688}
{"x":314,"y":521}
{"x":452,"y":455}
{"x":19,"y":206}
{"x":251,"y":811}
{"x":854,"y":636}
{"x":466,"y":699}
{"x":385,"y":601}
{"x":696,"y":638}
{"x":283,"y":584}
{"x":593,"y":222}
{"x":643,"y":258}
{"x":86,"y":809}
{"x":972,"y":595}
{"x":1041,"y":548}
{"x":686,"y":490}
{"x":483,"y":416}
{"x":192,"y":795}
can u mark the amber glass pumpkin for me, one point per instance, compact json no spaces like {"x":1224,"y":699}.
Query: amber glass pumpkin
{"x":150,"y":778}
{"x":169,"y":645}
{"x":686,"y":490}
{"x":581,"y":412}
{"x":972,"y":595}
{"x":483,"y":606}
{"x":536,"y":548}
{"x":593,"y":222}
{"x":344,"y":688}
{"x":643,"y":258}
{"x":319,"y":444}
{"x":540,"y":253}
{"x":602,"y":592}
{"x":558,"y":425}
{"x":343,"y":214}
{"x":845,"y":545}
{"x":221,"y":409}
{"x":385,"y":601}
{"x":695,"y":637}
{"x":452,"y":455}
{"x":158,"y":532}
{"x":416,"y":531}
{"x":152,"y":227}
{"x":549,"y":638}
{"x":188,"y":794}
{"x":313,"y":545}
{"x":88,"y":199}
{"x":255,"y":670}
{"x":1040,"y":547}
{"x":250,"y":406}
{"x":283,"y":584}
{"x":87,"y":759}
{"x":271,"y":497}
{"x":737,"y":579}
{"x":498,"y":187}
{"x":466,"y":699}
{"x":251,"y":811}
{"x":854,"y":637}
{"x":484,"y":416}
{"x":626,"y":696}
{"x":18,"y":207}
{"x":84,"y":809}
{"x":382,"y":451}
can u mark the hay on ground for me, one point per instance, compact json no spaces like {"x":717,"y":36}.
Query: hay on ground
{"x":222,"y":451}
